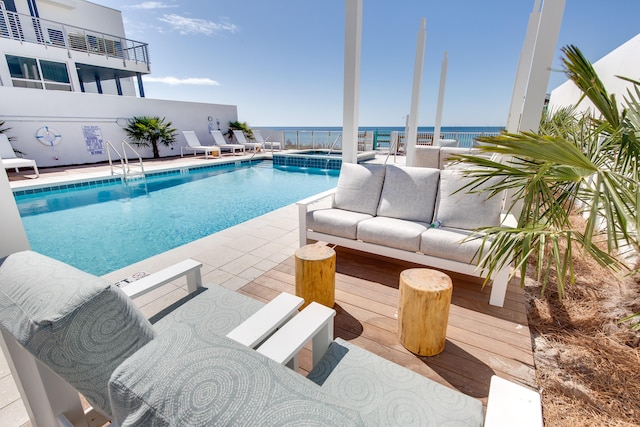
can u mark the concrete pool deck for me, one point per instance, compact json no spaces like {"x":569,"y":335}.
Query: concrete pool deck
{"x":231,"y":258}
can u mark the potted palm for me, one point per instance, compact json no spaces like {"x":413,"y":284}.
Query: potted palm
{"x":243,"y":126}
{"x":574,"y":164}
{"x":145,"y":131}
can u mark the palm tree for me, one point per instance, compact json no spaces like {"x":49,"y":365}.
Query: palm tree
{"x":147,"y":131}
{"x":575,"y":163}
{"x":243,"y":126}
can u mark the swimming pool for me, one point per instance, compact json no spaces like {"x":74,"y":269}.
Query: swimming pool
{"x":101,"y":227}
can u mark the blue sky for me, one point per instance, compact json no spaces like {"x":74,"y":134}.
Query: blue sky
{"x":281,"y":61}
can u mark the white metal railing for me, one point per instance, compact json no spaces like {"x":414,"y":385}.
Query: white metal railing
{"x":325,"y":139}
{"x":26,"y":28}
{"x":128,"y":169}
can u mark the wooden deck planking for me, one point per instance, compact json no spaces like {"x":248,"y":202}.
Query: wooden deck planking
{"x":482,"y":340}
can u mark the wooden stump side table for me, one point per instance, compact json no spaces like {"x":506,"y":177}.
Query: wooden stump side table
{"x":316,"y":274}
{"x":423,"y":310}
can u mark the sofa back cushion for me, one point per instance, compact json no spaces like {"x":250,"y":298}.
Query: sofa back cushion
{"x":79,"y":325}
{"x":409,"y":193}
{"x":427,"y":156}
{"x":359,"y":188}
{"x":459,"y":209}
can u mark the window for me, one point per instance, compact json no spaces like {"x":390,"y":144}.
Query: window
{"x":38,"y":74}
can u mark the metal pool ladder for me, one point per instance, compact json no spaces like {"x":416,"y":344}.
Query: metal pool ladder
{"x":127,"y":171}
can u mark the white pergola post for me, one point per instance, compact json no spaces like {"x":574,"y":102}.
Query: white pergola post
{"x":443,"y":82}
{"x":522,"y":72}
{"x":534,"y":68}
{"x":412,"y":129}
{"x":351,"y":101}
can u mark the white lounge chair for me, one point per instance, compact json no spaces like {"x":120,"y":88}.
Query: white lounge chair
{"x":218,"y":139}
{"x":242,"y":140}
{"x":10,"y":160}
{"x":265,"y":143}
{"x":195,"y":146}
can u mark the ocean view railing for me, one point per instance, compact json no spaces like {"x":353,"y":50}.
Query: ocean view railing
{"x":26,"y":28}
{"x":381,"y":140}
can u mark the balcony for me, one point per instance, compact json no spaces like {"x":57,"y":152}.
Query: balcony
{"x":26,"y":28}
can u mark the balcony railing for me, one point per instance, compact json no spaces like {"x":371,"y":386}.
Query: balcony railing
{"x":26,"y":28}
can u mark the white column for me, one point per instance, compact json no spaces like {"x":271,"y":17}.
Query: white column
{"x":412,"y":131}
{"x":543,"y":52}
{"x":443,"y":82}
{"x":14,"y":238}
{"x":522,"y":72}
{"x":352,"y":48}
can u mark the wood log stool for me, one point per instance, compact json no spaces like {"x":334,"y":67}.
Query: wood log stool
{"x":423,"y":310}
{"x":316,"y":274}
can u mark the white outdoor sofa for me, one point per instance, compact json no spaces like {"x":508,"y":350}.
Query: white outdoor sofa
{"x":389,"y":211}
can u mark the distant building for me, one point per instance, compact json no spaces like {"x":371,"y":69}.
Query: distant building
{"x":623,"y":61}
{"x":69,"y":45}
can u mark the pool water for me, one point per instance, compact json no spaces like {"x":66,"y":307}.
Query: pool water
{"x":102,"y":229}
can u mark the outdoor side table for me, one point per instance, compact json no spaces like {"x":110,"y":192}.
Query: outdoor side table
{"x":423,"y":310}
{"x":316,"y":274}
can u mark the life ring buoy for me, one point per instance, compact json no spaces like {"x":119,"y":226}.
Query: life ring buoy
{"x":48,"y":136}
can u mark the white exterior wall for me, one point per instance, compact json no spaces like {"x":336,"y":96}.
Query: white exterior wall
{"x":27,"y":110}
{"x":623,"y":61}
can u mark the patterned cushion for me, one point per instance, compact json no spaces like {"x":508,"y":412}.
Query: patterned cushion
{"x":387,"y":394}
{"x":459,"y":209}
{"x":409,"y":193}
{"x":359,"y":188}
{"x":79,"y":325}
{"x":185,"y":378}
{"x":215,"y":310}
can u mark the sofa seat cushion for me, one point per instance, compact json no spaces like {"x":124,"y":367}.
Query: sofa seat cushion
{"x":359,"y":188}
{"x":387,"y":394}
{"x":392,"y":232}
{"x":460,"y":209}
{"x":409,"y":193}
{"x":186,"y":378}
{"x":79,"y":325}
{"x":336,"y":222}
{"x":214,"y":310}
{"x":447,"y":243}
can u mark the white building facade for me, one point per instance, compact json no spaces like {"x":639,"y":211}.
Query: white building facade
{"x":623,"y":61}
{"x":70,"y":80}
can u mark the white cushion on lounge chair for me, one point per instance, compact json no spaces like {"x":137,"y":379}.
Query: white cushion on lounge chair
{"x":9,"y":158}
{"x":218,"y":139}
{"x":266,"y":144}
{"x":242,"y":140}
{"x":359,"y":188}
{"x":194,"y":145}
